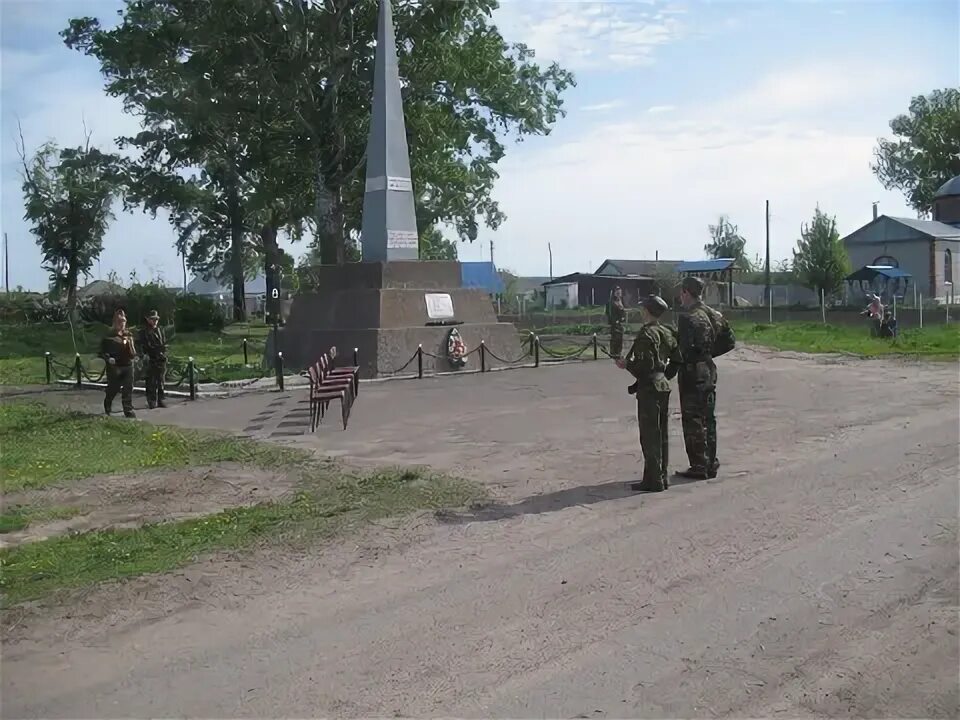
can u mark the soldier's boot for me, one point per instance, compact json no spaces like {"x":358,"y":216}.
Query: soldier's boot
{"x":107,"y":409}
{"x":151,"y":404}
{"x":714,"y":469}
{"x":129,"y":414}
{"x":694,"y":473}
{"x":648,"y":486}
{"x":666,"y":482}
{"x":161,"y":404}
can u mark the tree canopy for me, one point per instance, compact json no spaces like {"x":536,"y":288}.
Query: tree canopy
{"x":68,"y":198}
{"x":727,"y":242}
{"x":267,"y":103}
{"x":925,"y":151}
{"x":820,"y":260}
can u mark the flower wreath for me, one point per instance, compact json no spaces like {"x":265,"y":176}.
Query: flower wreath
{"x":456,"y":349}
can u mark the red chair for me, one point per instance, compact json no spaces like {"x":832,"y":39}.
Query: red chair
{"x":323,"y":393}
{"x":353,"y":370}
{"x":339,"y":373}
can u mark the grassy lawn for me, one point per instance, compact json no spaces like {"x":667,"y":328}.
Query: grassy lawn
{"x":329,"y":500}
{"x":42,"y":445}
{"x":218,"y":356}
{"x":934,"y":342}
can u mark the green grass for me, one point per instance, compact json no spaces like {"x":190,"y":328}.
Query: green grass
{"x":218,"y":356}
{"x":325,"y":506}
{"x":42,"y":445}
{"x":20,"y":517}
{"x":933,"y":342}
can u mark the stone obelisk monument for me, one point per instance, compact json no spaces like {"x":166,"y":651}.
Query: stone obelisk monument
{"x":389,"y":230}
{"x":390,"y":304}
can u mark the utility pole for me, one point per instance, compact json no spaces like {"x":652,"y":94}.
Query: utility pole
{"x":550,"y":250}
{"x":767,"y":264}
{"x":491,"y":252}
{"x":6,"y":262}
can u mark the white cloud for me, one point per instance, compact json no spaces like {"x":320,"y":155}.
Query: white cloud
{"x":589,"y":35}
{"x":656,"y":109}
{"x":817,"y":87}
{"x":603,"y":107}
{"x":649,"y":184}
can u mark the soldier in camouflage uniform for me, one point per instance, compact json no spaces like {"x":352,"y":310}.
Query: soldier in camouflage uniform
{"x":653,"y":351}
{"x":697,"y":380}
{"x":118,"y":351}
{"x":154,"y":345}
{"x":617,"y":319}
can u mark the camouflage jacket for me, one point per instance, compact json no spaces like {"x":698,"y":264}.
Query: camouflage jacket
{"x":654,"y":348}
{"x":118,"y":346}
{"x":616,"y":315}
{"x":695,"y":335}
{"x":153,"y":344}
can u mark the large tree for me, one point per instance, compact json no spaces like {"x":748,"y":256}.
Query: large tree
{"x":68,"y":196}
{"x":727,"y":242}
{"x":925,"y":151}
{"x":820,"y":260}
{"x":280,"y":90}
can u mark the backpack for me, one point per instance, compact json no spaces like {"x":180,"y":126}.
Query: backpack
{"x":723,"y":338}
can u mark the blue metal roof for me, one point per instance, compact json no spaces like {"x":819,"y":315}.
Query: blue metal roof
{"x":704,"y":266}
{"x":869,"y":272}
{"x":482,"y":276}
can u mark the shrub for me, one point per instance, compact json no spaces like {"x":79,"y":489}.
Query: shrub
{"x":195,"y":312}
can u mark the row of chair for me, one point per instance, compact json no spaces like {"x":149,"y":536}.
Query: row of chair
{"x":328,"y":383}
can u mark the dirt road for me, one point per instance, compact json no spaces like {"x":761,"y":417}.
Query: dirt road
{"x":817,"y":577}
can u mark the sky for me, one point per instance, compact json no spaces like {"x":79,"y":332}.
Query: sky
{"x":683,"y":111}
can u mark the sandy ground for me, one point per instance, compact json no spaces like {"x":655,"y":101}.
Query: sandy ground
{"x":816,"y":577}
{"x":123,"y":501}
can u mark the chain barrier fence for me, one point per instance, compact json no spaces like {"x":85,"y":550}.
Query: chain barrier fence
{"x":184,"y":376}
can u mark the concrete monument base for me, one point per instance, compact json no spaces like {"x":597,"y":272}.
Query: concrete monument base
{"x":386,"y":311}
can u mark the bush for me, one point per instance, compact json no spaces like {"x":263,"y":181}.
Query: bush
{"x":23,"y":307}
{"x":195,"y":312}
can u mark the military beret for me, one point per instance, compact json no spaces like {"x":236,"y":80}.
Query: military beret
{"x":655,"y":305}
{"x":692,"y":285}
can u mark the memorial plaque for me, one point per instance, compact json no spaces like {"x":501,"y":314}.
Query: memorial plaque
{"x":402,"y":239}
{"x":439,"y":306}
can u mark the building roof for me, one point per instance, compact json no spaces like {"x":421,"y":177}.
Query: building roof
{"x":933,"y":228}
{"x":949,"y":188}
{"x":706,"y":266}
{"x":574,"y":277}
{"x":869,"y":272}
{"x":642,"y":268}
{"x":100,"y":287}
{"x":211,"y":286}
{"x":897,"y":229}
{"x":481,"y":275}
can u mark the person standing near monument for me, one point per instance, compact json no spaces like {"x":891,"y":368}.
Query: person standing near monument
{"x":154,"y":346}
{"x":654,"y":350}
{"x":118,"y":351}
{"x":617,"y":320}
{"x":697,"y":381}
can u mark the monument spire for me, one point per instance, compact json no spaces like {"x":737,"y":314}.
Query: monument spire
{"x":389,"y":224}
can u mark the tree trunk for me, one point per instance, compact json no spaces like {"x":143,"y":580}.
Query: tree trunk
{"x":271,"y":260}
{"x":236,"y":257}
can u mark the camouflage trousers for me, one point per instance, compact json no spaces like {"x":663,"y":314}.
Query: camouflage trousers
{"x":616,"y":342}
{"x":698,"y":400}
{"x":653,"y":414}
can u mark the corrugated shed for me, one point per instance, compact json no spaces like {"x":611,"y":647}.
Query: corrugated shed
{"x":482,"y":276}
